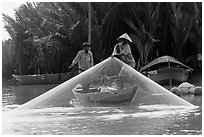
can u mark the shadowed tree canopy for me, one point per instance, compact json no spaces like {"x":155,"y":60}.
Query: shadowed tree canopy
{"x":46,"y":36}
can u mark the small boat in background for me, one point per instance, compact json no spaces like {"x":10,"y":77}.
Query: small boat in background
{"x":166,"y":70}
{"x":36,"y":79}
{"x":44,"y":78}
{"x":105,"y":95}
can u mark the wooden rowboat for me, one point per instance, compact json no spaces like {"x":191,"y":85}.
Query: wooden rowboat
{"x":36,"y":79}
{"x":44,"y":78}
{"x":105,"y":95}
{"x":166,"y":70}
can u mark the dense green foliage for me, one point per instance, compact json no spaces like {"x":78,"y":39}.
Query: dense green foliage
{"x":46,"y":36}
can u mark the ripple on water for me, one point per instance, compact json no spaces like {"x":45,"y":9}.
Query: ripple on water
{"x":100,"y":120}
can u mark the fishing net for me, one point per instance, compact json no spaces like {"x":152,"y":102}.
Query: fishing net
{"x":109,"y":75}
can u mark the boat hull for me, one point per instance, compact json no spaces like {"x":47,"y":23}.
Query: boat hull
{"x":169,"y":75}
{"x":42,"y":79}
{"x":125,"y":95}
{"x":36,"y":79}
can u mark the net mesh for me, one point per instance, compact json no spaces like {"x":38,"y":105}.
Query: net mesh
{"x":105,"y":74}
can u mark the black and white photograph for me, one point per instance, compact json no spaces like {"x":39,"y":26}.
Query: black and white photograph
{"x":101,"y":67}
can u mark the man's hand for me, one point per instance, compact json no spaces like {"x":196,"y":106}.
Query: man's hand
{"x":72,"y":66}
{"x":113,"y":55}
{"x":116,"y":55}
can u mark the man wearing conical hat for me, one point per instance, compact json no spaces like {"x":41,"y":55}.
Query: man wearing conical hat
{"x":122,"y":50}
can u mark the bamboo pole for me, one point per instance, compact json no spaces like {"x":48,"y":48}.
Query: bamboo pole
{"x":170,"y":79}
{"x":89,"y":22}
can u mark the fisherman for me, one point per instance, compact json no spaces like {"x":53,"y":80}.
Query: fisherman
{"x":84,"y":58}
{"x":122,"y":50}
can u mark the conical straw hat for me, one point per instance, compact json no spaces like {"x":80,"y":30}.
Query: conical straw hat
{"x":125,"y":36}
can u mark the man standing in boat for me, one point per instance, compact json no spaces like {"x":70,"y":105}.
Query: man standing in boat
{"x":122,"y":50}
{"x":84,"y":58}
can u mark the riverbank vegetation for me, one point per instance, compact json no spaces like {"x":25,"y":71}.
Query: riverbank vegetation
{"x":45,"y":36}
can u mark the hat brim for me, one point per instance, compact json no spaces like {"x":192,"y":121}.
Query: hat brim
{"x":126,"y":37}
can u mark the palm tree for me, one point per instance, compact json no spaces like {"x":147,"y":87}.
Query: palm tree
{"x":127,"y":17}
{"x":44,"y":33}
{"x":143,"y":36}
{"x":7,"y":58}
{"x":181,"y":27}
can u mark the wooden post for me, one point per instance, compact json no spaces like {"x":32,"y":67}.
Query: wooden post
{"x":89,"y":22}
{"x":170,"y":82}
{"x":170,"y":79}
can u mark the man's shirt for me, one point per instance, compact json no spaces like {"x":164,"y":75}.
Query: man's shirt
{"x":84,"y":60}
{"x":125,"y":49}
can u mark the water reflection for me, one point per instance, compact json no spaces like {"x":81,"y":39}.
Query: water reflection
{"x":121,"y":120}
{"x":24,"y":93}
{"x":103,"y":120}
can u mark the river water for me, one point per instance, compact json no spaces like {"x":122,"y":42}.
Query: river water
{"x":117,"y":120}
